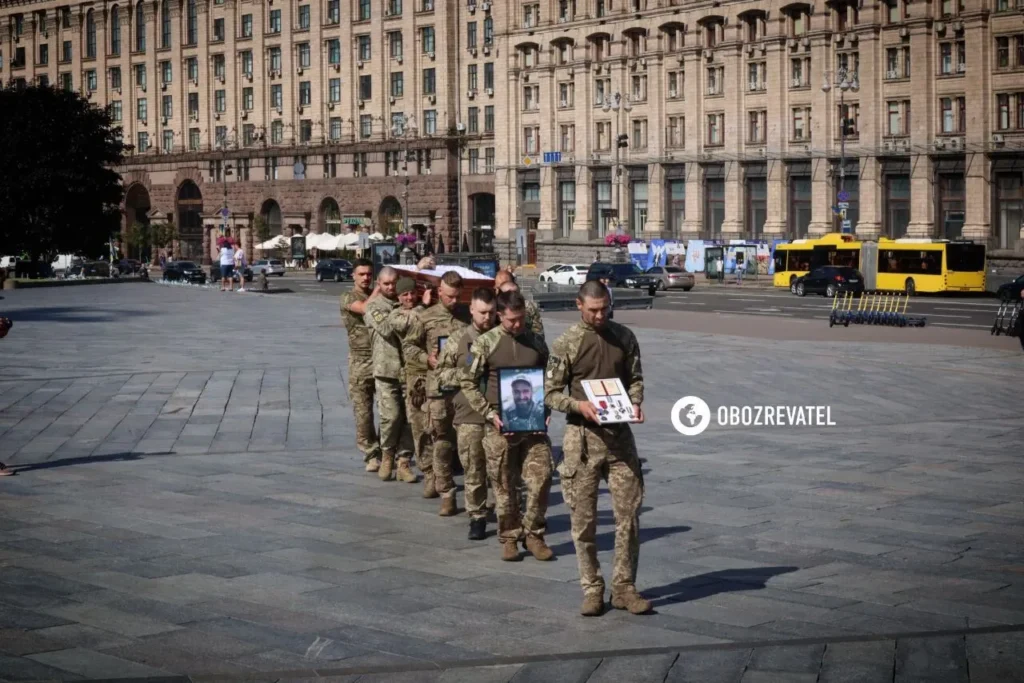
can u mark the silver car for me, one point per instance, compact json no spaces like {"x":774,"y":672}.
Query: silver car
{"x":269,"y":266}
{"x":672,"y":277}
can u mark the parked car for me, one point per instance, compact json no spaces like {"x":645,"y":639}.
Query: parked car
{"x":269,"y":266}
{"x":549,"y":271}
{"x":829,"y":281}
{"x":30,"y":269}
{"x":672,"y":277}
{"x":1010,"y":291}
{"x":336,"y":269}
{"x":184,"y":271}
{"x":215,"y":274}
{"x":567,"y":275}
{"x":623,"y":275}
{"x":129,"y":266}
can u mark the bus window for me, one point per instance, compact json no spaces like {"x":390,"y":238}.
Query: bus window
{"x":910,"y":262}
{"x":780,"y":261}
{"x":798,"y":260}
{"x":965,"y":258}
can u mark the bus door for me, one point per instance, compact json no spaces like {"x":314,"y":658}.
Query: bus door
{"x":965,"y":266}
{"x":824,"y":255}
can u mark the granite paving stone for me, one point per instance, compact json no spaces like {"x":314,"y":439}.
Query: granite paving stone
{"x":193,"y":512}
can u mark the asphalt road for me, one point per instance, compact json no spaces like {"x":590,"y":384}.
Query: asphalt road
{"x":958,"y":312}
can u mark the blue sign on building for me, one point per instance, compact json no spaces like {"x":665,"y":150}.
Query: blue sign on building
{"x":552,"y":157}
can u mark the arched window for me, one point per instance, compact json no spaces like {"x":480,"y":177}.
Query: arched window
{"x":90,"y":35}
{"x":192,"y":24}
{"x":115,"y":30}
{"x":140,"y":27}
{"x":165,"y":24}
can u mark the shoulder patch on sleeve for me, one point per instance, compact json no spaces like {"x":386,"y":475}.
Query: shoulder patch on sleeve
{"x":379,"y":316}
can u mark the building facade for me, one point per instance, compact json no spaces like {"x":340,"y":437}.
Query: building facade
{"x":731,"y":134}
{"x":658,"y":118}
{"x":307,"y":115}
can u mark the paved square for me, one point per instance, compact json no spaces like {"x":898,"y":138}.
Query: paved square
{"x":189,"y":502}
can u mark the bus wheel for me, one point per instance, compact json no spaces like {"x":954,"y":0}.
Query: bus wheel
{"x":909,"y":287}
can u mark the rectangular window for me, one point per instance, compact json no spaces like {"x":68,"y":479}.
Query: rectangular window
{"x":168,"y":141}
{"x":531,"y":97}
{"x":800,"y":205}
{"x":427,"y":37}
{"x":489,"y":75}
{"x":66,"y":52}
{"x":429,"y":82}
{"x":675,"y":85}
{"x":430,"y":122}
{"x":800,"y":72}
{"x":946,"y":58}
{"x":602,"y":90}
{"x":674,"y":132}
{"x":305,"y":130}
{"x":193,"y":139}
{"x":952,"y":205}
{"x":247,"y":26}
{"x":365,"y":87}
{"x":948,"y":120}
{"x":305,"y":93}
{"x":567,"y":207}
{"x":639,"y":140}
{"x":143,"y":143}
{"x":193,"y":105}
{"x":218,"y":30}
{"x":849,"y":116}
{"x":565,"y":95}
{"x":397,"y":84}
{"x":474,"y":161}
{"x":801,"y":129}
{"x":471,"y":35}
{"x":716,"y":78}
{"x":304,"y":55}
{"x":221,"y":101}
{"x":676,"y":205}
{"x":277,"y":97}
{"x":275,"y":21}
{"x":716,"y":123}
{"x":639,"y":196}
{"x":639,"y":88}
{"x":603,"y":129}
{"x":115,"y":111}
{"x":141,"y":113}
{"x":757,"y":205}
{"x":364,"y":10}
{"x":140,"y":76}
{"x":334,"y":90}
{"x":167,"y":107}
{"x":897,"y":200}
{"x":91,"y":82}
{"x":473,"y":114}
{"x":394,"y":8}
{"x":221,"y":136}
{"x":166,"y":71}
{"x":1003,"y":52}
{"x":335,"y":132}
{"x":531,"y":139}
{"x":276,"y":133}
{"x":247,"y":63}
{"x":193,"y":69}
{"x":365,"y":126}
{"x":471,"y":77}
{"x":334,"y":51}
{"x":303,"y":17}
{"x":602,"y":207}
{"x":365,"y":48}
{"x":247,"y":99}
{"x":568,"y":137}
{"x":489,"y":119}
{"x":44,"y":54}
{"x":895,"y":122}
{"x":219,"y":67}
{"x":714,"y":206}
{"x":756,"y":76}
{"x":1002,"y":112}
{"x":395,"y":44}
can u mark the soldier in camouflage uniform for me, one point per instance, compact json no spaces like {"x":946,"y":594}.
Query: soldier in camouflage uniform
{"x":525,"y":456}
{"x":469,"y":424}
{"x":395,"y":434}
{"x":403,"y":321}
{"x":505,"y":281}
{"x":360,"y":363}
{"x":596,"y":348}
{"x":437,"y":322}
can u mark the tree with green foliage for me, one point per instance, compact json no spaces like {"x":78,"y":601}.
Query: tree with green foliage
{"x":261,"y":228}
{"x":59,"y":190}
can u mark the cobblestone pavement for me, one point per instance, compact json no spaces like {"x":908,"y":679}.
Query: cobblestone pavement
{"x":189,"y":502}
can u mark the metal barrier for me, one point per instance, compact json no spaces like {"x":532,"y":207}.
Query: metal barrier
{"x":873,"y":308}
{"x":1007,"y":318}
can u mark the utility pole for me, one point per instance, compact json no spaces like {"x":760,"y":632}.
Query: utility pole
{"x":619,"y":104}
{"x":847,"y":80}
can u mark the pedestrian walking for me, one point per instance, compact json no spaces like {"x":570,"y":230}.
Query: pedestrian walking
{"x":740,"y":267}
{"x":720,"y":270}
{"x":240,"y":265}
{"x":361,"y":385}
{"x":227,"y":267}
{"x":597,"y":348}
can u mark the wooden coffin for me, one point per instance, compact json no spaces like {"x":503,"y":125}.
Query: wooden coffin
{"x":431,"y":279}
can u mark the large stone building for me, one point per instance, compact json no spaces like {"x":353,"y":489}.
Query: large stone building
{"x":728,"y":130}
{"x":329,"y":113}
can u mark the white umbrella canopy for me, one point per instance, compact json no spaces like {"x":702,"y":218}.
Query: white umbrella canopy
{"x":279,"y":242}
{"x":327,"y":242}
{"x":349,"y":240}
{"x":313,"y":241}
{"x":376,"y":237}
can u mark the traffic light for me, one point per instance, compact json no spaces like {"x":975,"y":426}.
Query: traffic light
{"x":849,"y":127}
{"x":623,"y":141}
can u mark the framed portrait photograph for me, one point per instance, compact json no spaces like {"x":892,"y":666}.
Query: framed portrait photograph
{"x":441,"y":341}
{"x":521,"y":400}
{"x":384,"y":254}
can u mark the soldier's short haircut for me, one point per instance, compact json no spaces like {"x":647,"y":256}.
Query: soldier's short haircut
{"x":387,"y":271}
{"x":592,"y":289}
{"x":484,"y":295}
{"x":511,"y":301}
{"x":362,"y":263}
{"x":503,"y":276}
{"x":452,"y":279}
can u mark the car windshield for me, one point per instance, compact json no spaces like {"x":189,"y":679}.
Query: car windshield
{"x":341,"y":263}
{"x":275,"y":263}
{"x":630,"y":269}
{"x":673,"y":269}
{"x":186,"y":264}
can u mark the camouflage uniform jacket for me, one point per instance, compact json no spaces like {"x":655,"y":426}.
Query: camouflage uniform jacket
{"x":387,"y":345}
{"x":436,"y":322}
{"x":359,"y":344}
{"x":585,"y":353}
{"x":406,"y":324}
{"x":479,"y":385}
{"x":533,"y":320}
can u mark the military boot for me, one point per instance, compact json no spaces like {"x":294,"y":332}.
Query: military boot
{"x":510,"y":551}
{"x":429,"y":489}
{"x":539,"y":549}
{"x":373,"y":464}
{"x":405,"y":472}
{"x":478,"y":529}
{"x":387,"y":465}
{"x":630,"y":600}
{"x":449,"y":507}
{"x":593,"y":604}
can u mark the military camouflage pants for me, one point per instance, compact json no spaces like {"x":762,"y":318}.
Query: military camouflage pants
{"x":474,"y":464}
{"x":395,"y":434}
{"x":592,"y":454}
{"x":440,"y":413}
{"x":360,"y":392}
{"x":512,"y":459}
{"x":423,"y":442}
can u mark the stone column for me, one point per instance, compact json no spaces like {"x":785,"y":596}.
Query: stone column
{"x":583,"y":228}
{"x":922,"y":198}
{"x":821,"y":191}
{"x":978,"y":198}
{"x":548,"y":224}
{"x":870,"y":196}
{"x":732,"y":226}
{"x":776,"y":224}
{"x":656,"y":228}
{"x":693,"y":224}
{"x":207,"y":245}
{"x":506,"y":213}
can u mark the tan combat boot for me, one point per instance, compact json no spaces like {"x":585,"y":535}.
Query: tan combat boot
{"x":510,"y":551}
{"x":429,"y":490}
{"x":387,"y":466}
{"x":539,"y":548}
{"x":449,"y":507}
{"x":405,"y":473}
{"x":373,"y":464}
{"x":630,"y":600}
{"x":593,"y":604}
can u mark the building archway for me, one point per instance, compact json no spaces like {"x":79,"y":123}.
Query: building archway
{"x":389,"y":217}
{"x":189,"y":207}
{"x":271,"y":214}
{"x":136,"y":211}
{"x":329,"y":220}
{"x":481,"y":221}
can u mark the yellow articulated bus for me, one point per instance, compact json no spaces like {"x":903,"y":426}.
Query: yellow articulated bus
{"x":902,"y":265}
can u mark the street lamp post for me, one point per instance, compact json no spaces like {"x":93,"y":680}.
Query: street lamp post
{"x":618,"y":102}
{"x":846,"y":80}
{"x":404,"y":127}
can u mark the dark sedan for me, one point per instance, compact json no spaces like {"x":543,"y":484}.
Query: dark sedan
{"x":1011,"y":290}
{"x":829,"y":281}
{"x":184,"y":271}
{"x":623,"y":275}
{"x":336,"y":269}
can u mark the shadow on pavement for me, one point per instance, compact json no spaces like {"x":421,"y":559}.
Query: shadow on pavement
{"x":713,"y":583}
{"x":74,"y":314}
{"x":83,"y":460}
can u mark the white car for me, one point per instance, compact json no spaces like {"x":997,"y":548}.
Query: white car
{"x":568,"y":275}
{"x":271,"y":266}
{"x":543,"y":277}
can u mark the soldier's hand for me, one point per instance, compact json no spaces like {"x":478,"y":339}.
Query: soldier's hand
{"x":496,"y":421}
{"x":638,"y":413}
{"x":428,"y":296}
{"x":432,"y":360}
{"x":375,"y":292}
{"x":589,"y":411}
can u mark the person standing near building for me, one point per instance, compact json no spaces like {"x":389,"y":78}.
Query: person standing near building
{"x":596,"y":348}
{"x":740,"y":267}
{"x":513,"y":457}
{"x":441,"y":320}
{"x":395,"y":433}
{"x":361,"y":384}
{"x":720,"y":270}
{"x":240,"y":265}
{"x":227,"y":266}
{"x":469,"y":424}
